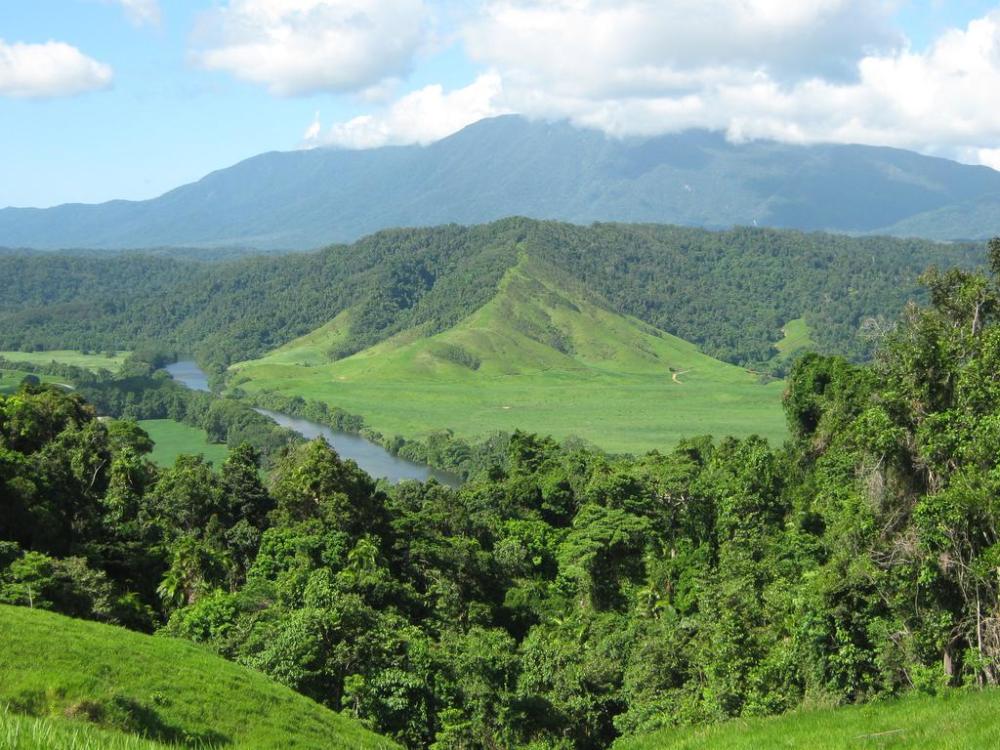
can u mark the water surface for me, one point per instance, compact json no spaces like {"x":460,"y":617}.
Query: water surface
{"x":371,"y":457}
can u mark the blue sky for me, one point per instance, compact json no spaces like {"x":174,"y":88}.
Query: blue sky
{"x":155,"y":95}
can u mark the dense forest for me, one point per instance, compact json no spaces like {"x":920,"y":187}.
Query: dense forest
{"x":729,"y":292}
{"x":563,"y":597}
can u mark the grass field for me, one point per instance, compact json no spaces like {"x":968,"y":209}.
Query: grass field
{"x":173,"y":438}
{"x":10,"y":380}
{"x":72,"y":672}
{"x":19,"y":732}
{"x":544,"y":356}
{"x":68,"y":357}
{"x":952,"y":721}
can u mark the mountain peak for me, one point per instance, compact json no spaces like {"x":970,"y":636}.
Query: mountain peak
{"x":510,"y":165}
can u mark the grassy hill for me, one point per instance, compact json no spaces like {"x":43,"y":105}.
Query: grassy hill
{"x":952,"y":721}
{"x":543,"y":354}
{"x":77,"y":675}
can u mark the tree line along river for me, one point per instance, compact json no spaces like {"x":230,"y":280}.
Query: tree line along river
{"x":371,"y":457}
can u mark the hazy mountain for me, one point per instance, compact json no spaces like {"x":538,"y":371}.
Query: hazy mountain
{"x":510,"y":166}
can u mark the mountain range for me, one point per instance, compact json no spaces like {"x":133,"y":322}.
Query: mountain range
{"x":512,"y":166}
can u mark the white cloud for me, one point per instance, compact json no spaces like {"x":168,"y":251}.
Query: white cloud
{"x":296,"y":47}
{"x":821,"y":71}
{"x":601,"y":48}
{"x":140,"y":12}
{"x":422,"y":116}
{"x":51,"y":69}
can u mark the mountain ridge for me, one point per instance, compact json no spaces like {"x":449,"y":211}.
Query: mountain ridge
{"x":510,"y":166}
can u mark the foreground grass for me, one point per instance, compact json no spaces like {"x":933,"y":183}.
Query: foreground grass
{"x":28,"y":733}
{"x":174,"y":438}
{"x":83,"y":674}
{"x":93,"y":362}
{"x":951,"y":721}
{"x":542,"y":356}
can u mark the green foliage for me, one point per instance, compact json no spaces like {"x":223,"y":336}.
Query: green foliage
{"x":563,"y":597}
{"x":729,"y":292}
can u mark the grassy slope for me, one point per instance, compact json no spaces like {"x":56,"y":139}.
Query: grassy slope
{"x":613,"y":382}
{"x":170,"y":690}
{"x":797,"y":337}
{"x":953,"y":721}
{"x":67,"y":357}
{"x":18,"y":732}
{"x":173,"y":438}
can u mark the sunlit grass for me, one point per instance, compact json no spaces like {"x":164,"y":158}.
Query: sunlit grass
{"x":81,"y":675}
{"x":615,"y":381}
{"x":951,"y":721}
{"x":174,"y":438}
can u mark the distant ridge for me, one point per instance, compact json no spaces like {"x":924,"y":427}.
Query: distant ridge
{"x":512,"y":166}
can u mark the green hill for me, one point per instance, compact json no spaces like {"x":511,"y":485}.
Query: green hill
{"x":952,"y":721}
{"x":544,"y":354}
{"x":730,"y":293}
{"x":69,"y":672}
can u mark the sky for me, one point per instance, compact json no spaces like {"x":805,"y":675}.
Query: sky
{"x":106,"y":99}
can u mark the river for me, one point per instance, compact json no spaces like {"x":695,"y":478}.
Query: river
{"x":371,"y":457}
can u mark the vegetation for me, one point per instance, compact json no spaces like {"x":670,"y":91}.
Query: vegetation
{"x":11,"y":380}
{"x":94,"y":361}
{"x":79,"y":676}
{"x":19,"y":732}
{"x":730,"y":293}
{"x":562,"y":598}
{"x":182,"y":420}
{"x":951,"y":720}
{"x":542,"y":355}
{"x":171,"y":439}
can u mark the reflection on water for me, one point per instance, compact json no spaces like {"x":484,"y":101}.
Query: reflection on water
{"x":187,"y":372}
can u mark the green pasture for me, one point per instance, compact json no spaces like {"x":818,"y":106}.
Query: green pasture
{"x":172,"y":438}
{"x":544,"y":356}
{"x":94,"y":362}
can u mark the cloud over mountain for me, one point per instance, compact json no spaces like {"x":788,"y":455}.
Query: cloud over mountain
{"x":827,"y":71}
{"x":297,"y":47}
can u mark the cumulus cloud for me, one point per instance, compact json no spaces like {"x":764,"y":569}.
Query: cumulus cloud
{"x":140,"y":12}
{"x":422,"y":116}
{"x":296,"y":47}
{"x":822,"y":71}
{"x":601,"y":48}
{"x":51,"y":69}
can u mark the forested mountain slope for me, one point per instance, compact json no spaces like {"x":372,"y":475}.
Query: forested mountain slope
{"x":511,"y":166}
{"x":730,"y":293}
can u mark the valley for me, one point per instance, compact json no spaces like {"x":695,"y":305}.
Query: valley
{"x":499,"y":375}
{"x":543,"y":355}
